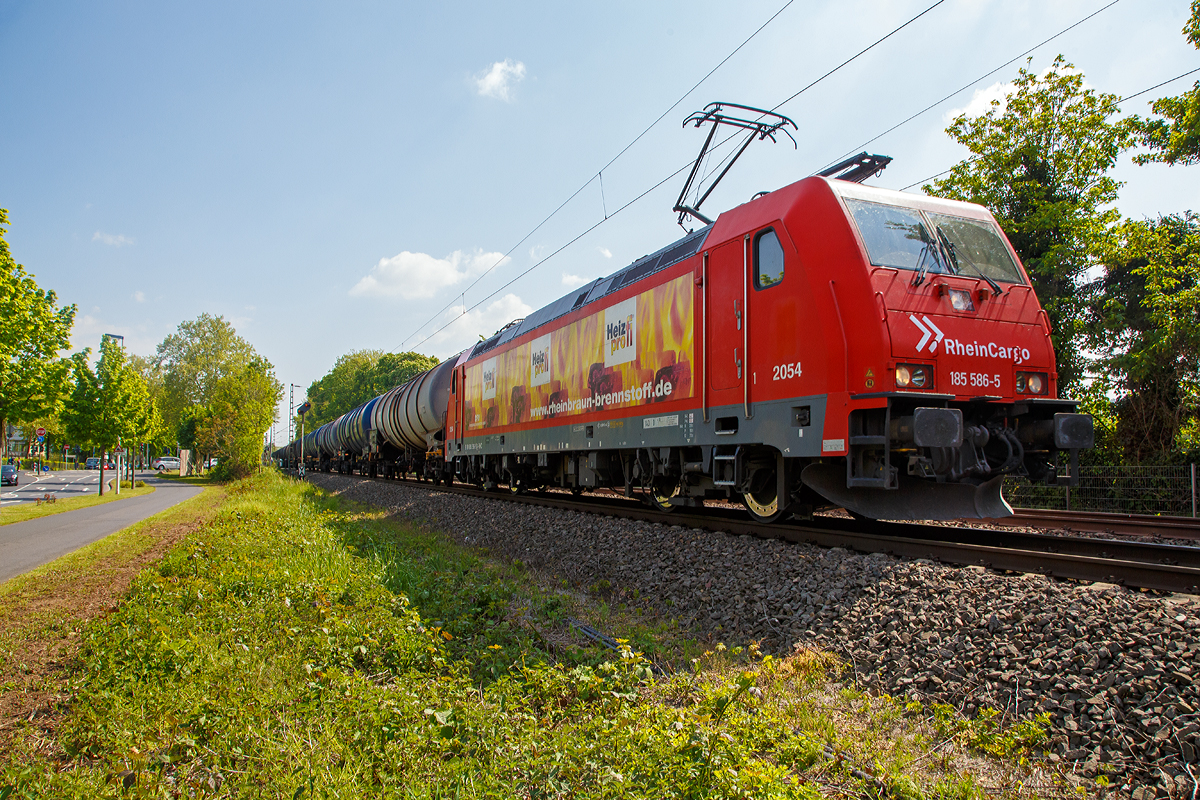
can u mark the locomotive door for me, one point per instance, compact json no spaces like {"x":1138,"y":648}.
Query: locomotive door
{"x":724,"y":352}
{"x":458,"y":392}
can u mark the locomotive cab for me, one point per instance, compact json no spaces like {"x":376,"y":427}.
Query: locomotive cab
{"x":963,"y":389}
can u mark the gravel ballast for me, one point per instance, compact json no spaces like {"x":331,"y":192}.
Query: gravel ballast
{"x":1114,"y":668}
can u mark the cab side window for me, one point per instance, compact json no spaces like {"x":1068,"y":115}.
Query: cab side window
{"x":768,"y":260}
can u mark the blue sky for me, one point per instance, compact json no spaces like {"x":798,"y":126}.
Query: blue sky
{"x":329,"y":176}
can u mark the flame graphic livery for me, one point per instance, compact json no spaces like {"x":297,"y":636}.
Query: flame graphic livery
{"x":629,"y":354}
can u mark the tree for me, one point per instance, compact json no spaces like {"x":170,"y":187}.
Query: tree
{"x":1041,"y":162}
{"x":110,"y":406}
{"x":239,"y":412}
{"x":1175,"y":137}
{"x":194,"y":359}
{"x":219,"y":395}
{"x":1146,"y":325}
{"x":156,"y":432}
{"x":357,"y":377}
{"x":335,"y":393}
{"x":33,"y":331}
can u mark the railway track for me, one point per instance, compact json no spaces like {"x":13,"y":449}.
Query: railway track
{"x":1144,"y":565}
{"x":1102,"y":522}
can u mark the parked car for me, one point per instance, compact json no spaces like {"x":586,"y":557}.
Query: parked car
{"x":164,"y":463}
{"x":8,"y":475}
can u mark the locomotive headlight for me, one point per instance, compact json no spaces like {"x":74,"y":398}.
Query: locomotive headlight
{"x":960,"y":300}
{"x":913,"y":376}
{"x":1032,"y":382}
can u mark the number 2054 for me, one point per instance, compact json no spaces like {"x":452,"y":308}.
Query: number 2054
{"x":785,"y":371}
{"x":978,"y":379}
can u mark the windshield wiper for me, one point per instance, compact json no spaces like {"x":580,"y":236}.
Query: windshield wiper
{"x":927,"y":253}
{"x":952,"y":254}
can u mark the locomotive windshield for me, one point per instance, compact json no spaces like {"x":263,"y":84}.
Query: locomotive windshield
{"x":977,"y":248}
{"x":905,"y":238}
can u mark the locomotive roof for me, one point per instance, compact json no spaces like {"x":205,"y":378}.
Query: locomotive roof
{"x":644,"y":267}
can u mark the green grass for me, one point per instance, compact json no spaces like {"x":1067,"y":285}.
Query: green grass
{"x":299,"y":647}
{"x":195,"y":480}
{"x":28,"y":511}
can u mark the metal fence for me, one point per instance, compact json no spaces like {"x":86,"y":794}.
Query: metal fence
{"x":1168,"y":491}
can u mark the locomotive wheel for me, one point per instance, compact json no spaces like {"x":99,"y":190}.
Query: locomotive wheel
{"x":763,"y":505}
{"x":660,"y":496}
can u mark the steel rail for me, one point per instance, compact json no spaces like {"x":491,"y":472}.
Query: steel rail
{"x":1162,"y":567}
{"x":1105,"y":522}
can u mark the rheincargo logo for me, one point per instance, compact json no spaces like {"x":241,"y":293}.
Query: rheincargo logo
{"x":953,"y":347}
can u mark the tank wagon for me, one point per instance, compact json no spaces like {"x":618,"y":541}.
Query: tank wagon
{"x":825,"y":344}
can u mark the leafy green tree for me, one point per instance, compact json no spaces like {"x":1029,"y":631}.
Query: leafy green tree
{"x":156,"y":432}
{"x":33,"y":331}
{"x":1174,"y":138}
{"x":335,"y":393}
{"x":194,"y":359}
{"x":1146,"y":326}
{"x":392,"y":370}
{"x":356,"y":378}
{"x":1041,"y":162}
{"x":107,"y":407}
{"x":240,"y":411}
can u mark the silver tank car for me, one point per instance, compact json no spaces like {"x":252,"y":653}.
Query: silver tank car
{"x":354,"y":430}
{"x":327,"y":438}
{"x":411,"y":414}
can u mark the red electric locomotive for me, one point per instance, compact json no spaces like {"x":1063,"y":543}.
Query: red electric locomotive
{"x":825,"y":344}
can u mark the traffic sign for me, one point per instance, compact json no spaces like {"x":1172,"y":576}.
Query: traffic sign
{"x":41,"y":433}
{"x":41,"y":437}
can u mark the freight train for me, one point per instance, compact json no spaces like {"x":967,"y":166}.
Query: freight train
{"x":827,"y":344}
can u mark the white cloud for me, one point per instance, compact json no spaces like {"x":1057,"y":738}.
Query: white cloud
{"x":571,"y":281}
{"x":139,"y":296}
{"x":981,"y":101}
{"x":604,"y":251}
{"x":117,"y":240}
{"x":463,"y":330}
{"x":415,"y":276}
{"x":499,"y":81}
{"x":535,"y":252}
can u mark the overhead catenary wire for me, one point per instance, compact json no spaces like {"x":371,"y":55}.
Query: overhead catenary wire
{"x":866,"y":49}
{"x":1119,"y":101}
{"x":986,"y":75}
{"x":562,"y":247}
{"x":613,"y":160}
{"x":808,"y":86}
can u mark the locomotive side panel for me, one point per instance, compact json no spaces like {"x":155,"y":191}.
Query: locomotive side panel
{"x":628,"y":355}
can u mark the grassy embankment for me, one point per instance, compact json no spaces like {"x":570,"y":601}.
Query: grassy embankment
{"x":27,"y":511}
{"x":297,"y":647}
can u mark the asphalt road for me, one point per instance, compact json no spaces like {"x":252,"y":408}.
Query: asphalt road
{"x":25,"y":545}
{"x":68,"y":483}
